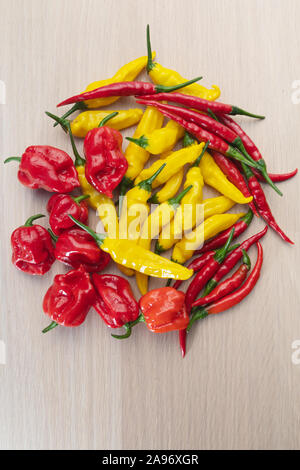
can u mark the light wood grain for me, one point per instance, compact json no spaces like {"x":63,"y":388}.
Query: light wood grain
{"x":74,"y":389}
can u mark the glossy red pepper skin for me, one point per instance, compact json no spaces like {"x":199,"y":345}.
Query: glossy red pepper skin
{"x":234,"y":175}
{"x":220,"y":239}
{"x":48,"y":168}
{"x":197,"y":264}
{"x":105,"y":163}
{"x":262,"y":204}
{"x":115,"y":302}
{"x":276,"y":177}
{"x":124,"y":89}
{"x":164,"y":310}
{"x":70,"y":297}
{"x":32,"y":248}
{"x":236,"y":297}
{"x":201,"y":104}
{"x":60,"y":206}
{"x":76,"y":248}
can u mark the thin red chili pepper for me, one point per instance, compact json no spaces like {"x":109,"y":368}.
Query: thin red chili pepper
{"x":232,"y":260}
{"x":262,"y":204}
{"x":201,"y":104}
{"x":234,"y":175}
{"x":277,"y":177}
{"x":236,"y":297}
{"x":227,"y":286}
{"x":215,"y":142}
{"x":251,"y":149}
{"x":125,"y":89}
{"x":204,"y":121}
{"x":220,"y":239}
{"x":203,"y":276}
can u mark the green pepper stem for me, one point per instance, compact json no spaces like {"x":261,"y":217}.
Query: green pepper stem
{"x":222,"y":252}
{"x":77,"y":106}
{"x":235,"y":110}
{"x":212,"y":115}
{"x":59,"y":120}
{"x":79,"y":161}
{"x":168,"y":283}
{"x":141,"y":141}
{"x":188,"y":140}
{"x":29,"y":221}
{"x":50,"y":327}
{"x":150,"y":63}
{"x":174,"y":201}
{"x":80,"y":198}
{"x":198,"y":315}
{"x":128,"y":326}
{"x":246,"y":259}
{"x":196,"y":162}
{"x":147,"y":184}
{"x":263,"y":170}
{"x":247,"y":218}
{"x":168,"y":89}
{"x":107,"y":118}
{"x":52,"y":235}
{"x":98,"y":238}
{"x":10,"y":159}
{"x":234,"y":153}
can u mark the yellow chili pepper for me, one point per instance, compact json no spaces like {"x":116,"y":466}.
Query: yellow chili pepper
{"x":169,"y":189}
{"x":88,"y":120}
{"x":211,"y":206}
{"x":184,"y":249}
{"x":174,"y":163}
{"x":151,"y":228}
{"x":136,"y":156}
{"x":160,"y":140}
{"x":214,"y":177}
{"x":131,"y":255}
{"x":163,"y":76}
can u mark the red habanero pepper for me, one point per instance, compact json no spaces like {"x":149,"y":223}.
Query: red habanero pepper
{"x":251,"y":149}
{"x":105,"y":163}
{"x":262,"y":204}
{"x":60,"y":206}
{"x":200,"y":104}
{"x":115,"y":302}
{"x":69,"y":299}
{"x":215,"y":142}
{"x":234,"y":298}
{"x":234,"y":175}
{"x":227,"y":286}
{"x":204,"y":121}
{"x":277,"y":177}
{"x":32,"y":248}
{"x":203,"y":276}
{"x":45,"y":167}
{"x":220,"y":239}
{"x":76,"y":248}
{"x":125,"y":89}
{"x":232,"y":260}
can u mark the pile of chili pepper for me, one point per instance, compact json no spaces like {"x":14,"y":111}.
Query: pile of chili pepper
{"x":215,"y":151}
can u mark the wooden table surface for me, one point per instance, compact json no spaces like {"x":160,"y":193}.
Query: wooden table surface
{"x":238,"y":387}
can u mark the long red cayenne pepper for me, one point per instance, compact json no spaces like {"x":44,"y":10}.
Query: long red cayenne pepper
{"x":262,"y":204}
{"x":236,"y":297}
{"x":234,"y":175}
{"x":227,"y":286}
{"x":206,"y":273}
{"x":251,"y":149}
{"x":204,"y":121}
{"x":220,"y":239}
{"x":215,"y":142}
{"x":201,"y":104}
{"x":277,"y":177}
{"x":125,"y":89}
{"x":232,"y":260}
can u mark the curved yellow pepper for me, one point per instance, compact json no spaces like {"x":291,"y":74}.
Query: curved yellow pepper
{"x":214,"y":177}
{"x":163,"y":76}
{"x":136,"y":156}
{"x":185,"y":248}
{"x":211,"y":206}
{"x":127,"y":73}
{"x":174,"y":163}
{"x":161,"y":140}
{"x":160,"y":217}
{"x":88,"y":120}
{"x":170,"y":188}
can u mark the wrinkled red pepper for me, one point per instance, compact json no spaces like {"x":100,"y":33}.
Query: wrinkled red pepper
{"x":115,"y":302}
{"x":69,"y":299}
{"x":60,"y":206}
{"x":105,"y":162}
{"x":76,"y":248}
{"x":46,"y":167}
{"x":32,"y":248}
